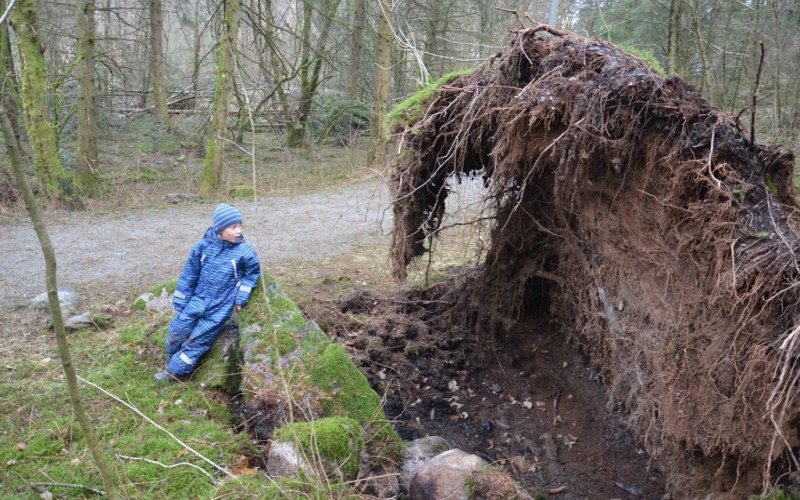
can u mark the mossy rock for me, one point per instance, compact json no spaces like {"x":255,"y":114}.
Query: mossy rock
{"x":277,"y":339}
{"x":155,"y":291}
{"x":335,"y":442}
{"x":273,"y":328}
{"x":221,"y":367}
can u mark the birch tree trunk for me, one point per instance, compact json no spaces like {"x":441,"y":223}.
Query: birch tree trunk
{"x":212,"y":167}
{"x":87,"y":161}
{"x":56,"y":184}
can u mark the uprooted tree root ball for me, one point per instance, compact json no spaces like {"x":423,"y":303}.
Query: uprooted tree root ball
{"x":649,"y":225}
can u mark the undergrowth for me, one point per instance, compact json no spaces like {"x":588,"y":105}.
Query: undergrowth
{"x":45,"y":450}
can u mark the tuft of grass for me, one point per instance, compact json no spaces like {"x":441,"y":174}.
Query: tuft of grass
{"x":646,"y":56}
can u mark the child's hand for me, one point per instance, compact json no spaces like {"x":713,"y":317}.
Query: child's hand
{"x":238,"y":308}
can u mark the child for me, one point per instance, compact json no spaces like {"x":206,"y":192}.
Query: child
{"x":218,"y":276}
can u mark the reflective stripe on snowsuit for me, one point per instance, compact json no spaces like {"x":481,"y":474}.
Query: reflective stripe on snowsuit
{"x":218,"y":275}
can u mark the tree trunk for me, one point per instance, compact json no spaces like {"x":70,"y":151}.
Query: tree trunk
{"x":310,"y":67}
{"x":87,"y":161}
{"x":55,"y":307}
{"x":212,"y":167}
{"x":356,"y":48}
{"x":431,"y":56}
{"x":41,"y":133}
{"x":384,"y":49}
{"x":157,"y":61}
{"x":702,"y":49}
{"x":674,"y":66}
{"x":9,"y":98}
{"x":295,"y":136}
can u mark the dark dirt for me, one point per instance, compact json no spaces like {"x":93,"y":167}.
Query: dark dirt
{"x":528,"y":401}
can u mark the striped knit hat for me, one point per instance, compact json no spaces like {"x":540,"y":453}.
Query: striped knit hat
{"x":224,"y":216}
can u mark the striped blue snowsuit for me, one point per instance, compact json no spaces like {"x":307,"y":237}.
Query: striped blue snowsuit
{"x":218,"y":276}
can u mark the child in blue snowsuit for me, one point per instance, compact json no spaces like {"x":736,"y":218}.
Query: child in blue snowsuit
{"x":218,"y":277}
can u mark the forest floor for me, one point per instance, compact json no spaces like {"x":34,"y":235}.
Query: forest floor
{"x":529,"y":402}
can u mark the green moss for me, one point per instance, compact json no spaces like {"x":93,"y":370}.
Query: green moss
{"x":348,"y":393}
{"x":221,"y":367}
{"x":168,"y":285}
{"x":647,"y":57}
{"x":409,"y":111}
{"x":336,"y":440}
{"x":143,"y":175}
{"x":241,"y":191}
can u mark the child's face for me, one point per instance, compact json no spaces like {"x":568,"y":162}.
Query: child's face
{"x":231,"y":233}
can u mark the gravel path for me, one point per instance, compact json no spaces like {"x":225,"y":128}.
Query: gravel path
{"x":136,"y":249}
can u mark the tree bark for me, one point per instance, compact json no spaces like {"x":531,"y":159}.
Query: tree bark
{"x":674,"y":65}
{"x":157,"y":61}
{"x":212,"y":167}
{"x":310,"y":67}
{"x":55,"y":307}
{"x":33,"y":79}
{"x":356,"y":48}
{"x":86,"y":178}
{"x":9,"y":97}
{"x":382,"y":63}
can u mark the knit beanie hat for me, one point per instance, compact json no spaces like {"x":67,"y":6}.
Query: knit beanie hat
{"x":224,"y":216}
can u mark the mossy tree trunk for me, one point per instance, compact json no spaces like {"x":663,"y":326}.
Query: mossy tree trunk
{"x":382,"y":64}
{"x":55,"y":307}
{"x":87,"y":161}
{"x":356,"y":48}
{"x":212,"y":167}
{"x":157,"y":61}
{"x":56,"y":184}
{"x":9,"y":97}
{"x":311,"y":62}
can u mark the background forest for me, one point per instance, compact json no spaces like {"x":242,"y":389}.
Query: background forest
{"x":316,"y":71}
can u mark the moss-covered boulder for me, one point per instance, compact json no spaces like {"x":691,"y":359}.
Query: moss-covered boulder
{"x":325,"y":448}
{"x":221,"y":367}
{"x":290,"y":362}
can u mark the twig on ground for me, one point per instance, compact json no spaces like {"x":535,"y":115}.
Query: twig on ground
{"x":179,"y":464}
{"x":138,"y":412}
{"x":70,"y":485}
